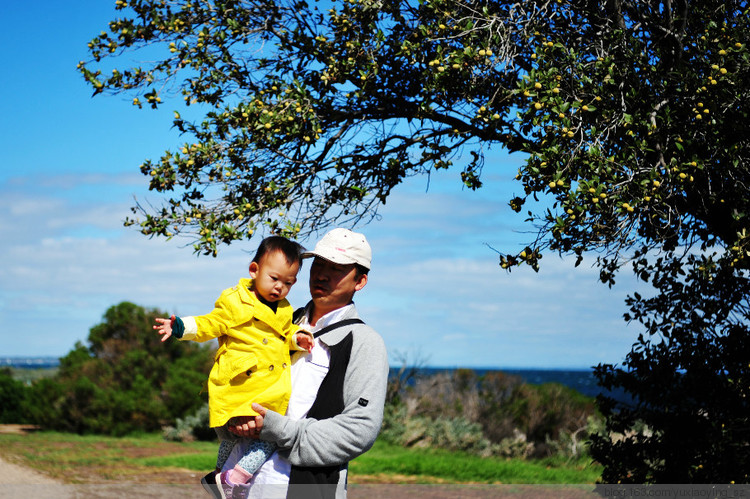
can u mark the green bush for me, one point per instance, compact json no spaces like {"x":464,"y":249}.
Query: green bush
{"x":190,"y":428}
{"x":126,"y":380}
{"x":13,"y":399}
{"x":495,"y":414}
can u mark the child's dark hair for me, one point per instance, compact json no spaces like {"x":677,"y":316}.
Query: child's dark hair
{"x":291,"y":250}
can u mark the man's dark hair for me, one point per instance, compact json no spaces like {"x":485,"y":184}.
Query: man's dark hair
{"x":292,"y":250}
{"x":361,"y":270}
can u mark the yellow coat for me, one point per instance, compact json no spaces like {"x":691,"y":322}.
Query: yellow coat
{"x":252,"y":362}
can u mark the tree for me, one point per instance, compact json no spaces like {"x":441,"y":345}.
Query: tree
{"x":632,"y":119}
{"x":126,"y":379}
{"x":689,"y":377}
{"x":13,"y":399}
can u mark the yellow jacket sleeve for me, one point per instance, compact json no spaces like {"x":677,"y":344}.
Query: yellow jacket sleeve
{"x":212,"y":325}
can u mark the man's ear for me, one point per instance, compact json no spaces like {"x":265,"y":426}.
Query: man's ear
{"x":361,"y":281}
{"x":254,"y":267}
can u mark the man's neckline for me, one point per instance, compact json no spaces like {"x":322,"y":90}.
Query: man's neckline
{"x":330,"y":317}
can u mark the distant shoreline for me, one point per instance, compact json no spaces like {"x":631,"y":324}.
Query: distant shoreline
{"x":51,"y":361}
{"x":30,"y":362}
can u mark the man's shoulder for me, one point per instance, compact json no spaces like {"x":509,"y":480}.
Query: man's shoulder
{"x":369,"y":347}
{"x":365,"y":335}
{"x":351,"y":323}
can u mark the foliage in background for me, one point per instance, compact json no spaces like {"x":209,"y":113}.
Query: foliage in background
{"x":13,"y":399}
{"x":690,"y":421}
{"x":125,"y":380}
{"x":493,"y":414}
{"x":191,"y":427}
{"x":490,"y":415}
{"x":631,"y":118}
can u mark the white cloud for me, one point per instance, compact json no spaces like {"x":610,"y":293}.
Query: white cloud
{"x":436,"y":289}
{"x":451,"y":300}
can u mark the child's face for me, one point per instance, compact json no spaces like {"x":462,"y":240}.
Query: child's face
{"x":273,"y":277}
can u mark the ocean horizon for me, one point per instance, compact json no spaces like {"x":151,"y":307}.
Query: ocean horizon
{"x":580,"y":379}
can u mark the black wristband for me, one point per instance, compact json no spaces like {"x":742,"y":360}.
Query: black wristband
{"x":178,"y":327}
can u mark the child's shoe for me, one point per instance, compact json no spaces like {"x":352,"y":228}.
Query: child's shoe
{"x":234,"y":483}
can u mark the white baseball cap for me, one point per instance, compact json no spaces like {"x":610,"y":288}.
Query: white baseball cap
{"x":344,"y":247}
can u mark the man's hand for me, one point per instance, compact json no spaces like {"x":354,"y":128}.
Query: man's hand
{"x":249,"y":426}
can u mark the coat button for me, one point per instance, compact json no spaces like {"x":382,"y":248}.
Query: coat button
{"x":249,"y":372}
{"x":283,"y":365}
{"x":265,"y":341}
{"x":270,"y":368}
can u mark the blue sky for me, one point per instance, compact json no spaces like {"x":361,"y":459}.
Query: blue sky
{"x":436,"y":292}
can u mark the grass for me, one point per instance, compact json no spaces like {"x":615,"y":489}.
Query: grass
{"x":88,"y":459}
{"x":94,"y":458}
{"x":195,"y":462}
{"x":461,"y":467}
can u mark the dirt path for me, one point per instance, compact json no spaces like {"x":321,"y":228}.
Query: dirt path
{"x":20,"y":482}
{"x":14,"y":474}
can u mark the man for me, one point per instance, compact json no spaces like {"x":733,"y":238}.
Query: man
{"x":338,"y":390}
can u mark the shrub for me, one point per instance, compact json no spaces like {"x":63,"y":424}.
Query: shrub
{"x":13,"y":399}
{"x":494,"y":414}
{"x":125,"y":380}
{"x":190,"y":428}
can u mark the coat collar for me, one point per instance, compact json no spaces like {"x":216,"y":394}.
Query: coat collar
{"x":261,"y":311}
{"x":340,"y":314}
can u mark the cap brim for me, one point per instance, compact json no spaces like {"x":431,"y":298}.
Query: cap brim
{"x":333,"y":258}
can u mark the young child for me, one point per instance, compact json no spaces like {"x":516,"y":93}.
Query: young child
{"x":253,"y":323}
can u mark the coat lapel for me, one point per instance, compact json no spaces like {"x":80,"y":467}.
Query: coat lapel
{"x":262,"y":312}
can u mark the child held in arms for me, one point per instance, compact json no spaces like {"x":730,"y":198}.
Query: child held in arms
{"x":253,"y":324}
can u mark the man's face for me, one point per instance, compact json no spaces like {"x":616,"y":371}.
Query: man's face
{"x":332,"y":285}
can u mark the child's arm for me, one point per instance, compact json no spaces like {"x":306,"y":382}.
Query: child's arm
{"x":303,"y":340}
{"x":200,"y":328}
